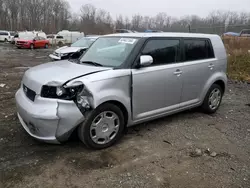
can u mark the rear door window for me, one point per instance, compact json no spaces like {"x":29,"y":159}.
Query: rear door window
{"x":197,"y":49}
{"x":163,"y":51}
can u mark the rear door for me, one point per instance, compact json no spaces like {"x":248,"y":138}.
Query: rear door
{"x":197,"y":67}
{"x":36,"y":42}
{"x":42,"y":42}
{"x":157,"y":88}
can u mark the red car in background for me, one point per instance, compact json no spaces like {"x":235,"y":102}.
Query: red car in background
{"x":37,"y":42}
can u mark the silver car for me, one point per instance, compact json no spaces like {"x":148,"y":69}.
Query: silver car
{"x":122,"y":80}
{"x":65,"y":52}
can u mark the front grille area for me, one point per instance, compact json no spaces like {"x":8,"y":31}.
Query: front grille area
{"x":29,"y":93}
{"x":57,"y":54}
{"x":20,"y":42}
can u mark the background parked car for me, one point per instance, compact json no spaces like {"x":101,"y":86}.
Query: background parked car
{"x":71,"y":36}
{"x":79,"y":46}
{"x":36,"y":42}
{"x":124,"y":31}
{"x":245,"y":33}
{"x":56,"y":40}
{"x":231,"y":34}
{"x":5,"y":36}
{"x":28,"y":34}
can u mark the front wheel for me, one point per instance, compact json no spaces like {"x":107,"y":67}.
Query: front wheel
{"x":103,"y":127}
{"x":32,"y":46}
{"x":213,"y":99}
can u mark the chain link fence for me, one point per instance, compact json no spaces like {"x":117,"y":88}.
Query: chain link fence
{"x":219,"y":30}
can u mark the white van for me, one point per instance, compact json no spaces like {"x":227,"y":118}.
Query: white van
{"x":71,"y":36}
{"x":56,"y":39}
{"x":5,"y":36}
{"x":28,"y":35}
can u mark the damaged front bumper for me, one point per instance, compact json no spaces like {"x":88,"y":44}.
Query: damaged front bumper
{"x":48,"y":120}
{"x":54,"y":57}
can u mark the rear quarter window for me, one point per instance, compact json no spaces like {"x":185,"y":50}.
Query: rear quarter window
{"x":198,"y":49}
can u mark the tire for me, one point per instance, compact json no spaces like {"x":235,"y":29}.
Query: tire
{"x":5,"y":40}
{"x":46,"y":46}
{"x":208,"y":107}
{"x":87,"y":136}
{"x":32,"y":46}
{"x":60,"y":44}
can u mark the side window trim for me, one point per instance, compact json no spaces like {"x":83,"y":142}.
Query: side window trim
{"x":178,"y":60}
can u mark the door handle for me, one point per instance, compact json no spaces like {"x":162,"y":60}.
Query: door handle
{"x":211,"y":66}
{"x":178,"y":72}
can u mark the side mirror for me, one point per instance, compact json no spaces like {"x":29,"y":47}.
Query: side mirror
{"x":146,"y":60}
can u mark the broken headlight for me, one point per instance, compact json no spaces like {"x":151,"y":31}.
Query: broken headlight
{"x":61,"y":92}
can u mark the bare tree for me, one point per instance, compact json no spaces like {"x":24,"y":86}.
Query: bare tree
{"x":54,"y":15}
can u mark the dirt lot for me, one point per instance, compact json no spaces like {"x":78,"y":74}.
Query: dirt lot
{"x":160,"y":153}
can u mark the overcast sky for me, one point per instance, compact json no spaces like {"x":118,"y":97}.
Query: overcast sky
{"x":175,"y":8}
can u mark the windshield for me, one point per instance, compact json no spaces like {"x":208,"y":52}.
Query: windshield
{"x":28,"y":38}
{"x":110,"y":51}
{"x":84,"y":42}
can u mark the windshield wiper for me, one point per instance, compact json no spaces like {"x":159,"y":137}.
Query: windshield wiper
{"x":92,"y":63}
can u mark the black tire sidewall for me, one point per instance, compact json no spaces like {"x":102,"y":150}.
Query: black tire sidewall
{"x":205,"y":106}
{"x":84,"y":128}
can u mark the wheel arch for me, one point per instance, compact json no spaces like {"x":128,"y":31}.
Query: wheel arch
{"x":121,"y":106}
{"x":218,"y":78}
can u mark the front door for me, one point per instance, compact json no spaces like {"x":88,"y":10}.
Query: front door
{"x":156,"y":89}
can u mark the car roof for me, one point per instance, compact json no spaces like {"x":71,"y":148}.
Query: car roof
{"x":92,"y":37}
{"x":163,"y":34}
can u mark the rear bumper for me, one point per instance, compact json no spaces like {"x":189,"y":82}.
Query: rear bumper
{"x":48,"y":120}
{"x":52,"y":56}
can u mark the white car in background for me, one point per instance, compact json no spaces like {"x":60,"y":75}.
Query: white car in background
{"x":5,"y":36}
{"x":71,"y":36}
{"x":79,"y":46}
{"x":56,"y":40}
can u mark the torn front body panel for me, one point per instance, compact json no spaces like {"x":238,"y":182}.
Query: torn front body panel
{"x":106,"y":86}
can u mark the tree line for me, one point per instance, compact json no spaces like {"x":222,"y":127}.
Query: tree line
{"x":52,"y":16}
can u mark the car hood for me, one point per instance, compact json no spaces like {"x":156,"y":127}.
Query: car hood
{"x":66,"y":49}
{"x":57,"y":73}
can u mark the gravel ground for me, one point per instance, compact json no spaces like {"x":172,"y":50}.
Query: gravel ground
{"x":188,"y":150}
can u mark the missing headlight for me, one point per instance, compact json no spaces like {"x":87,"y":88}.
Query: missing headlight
{"x":61,"y":92}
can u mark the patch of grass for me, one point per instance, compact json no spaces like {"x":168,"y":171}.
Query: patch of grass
{"x":238,"y":50}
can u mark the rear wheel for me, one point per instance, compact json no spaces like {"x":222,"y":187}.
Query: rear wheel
{"x":32,"y":46}
{"x":213,"y":99}
{"x":5,"y":40}
{"x":60,"y":43}
{"x":103,"y":127}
